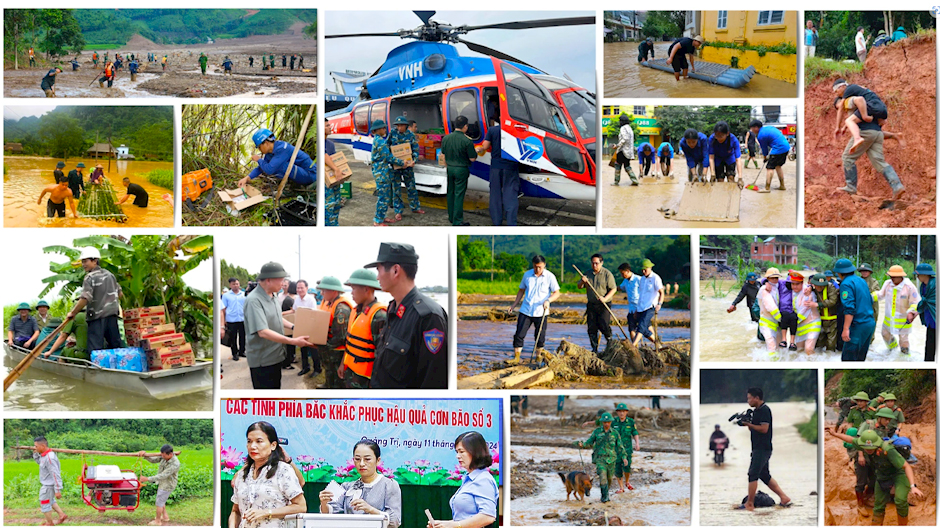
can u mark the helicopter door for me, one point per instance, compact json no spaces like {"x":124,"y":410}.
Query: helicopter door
{"x":535,"y":131}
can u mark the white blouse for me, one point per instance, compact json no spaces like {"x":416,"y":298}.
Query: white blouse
{"x":265,"y":494}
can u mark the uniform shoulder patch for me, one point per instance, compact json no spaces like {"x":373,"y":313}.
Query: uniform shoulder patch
{"x":434,"y":340}
{"x":845,"y":294}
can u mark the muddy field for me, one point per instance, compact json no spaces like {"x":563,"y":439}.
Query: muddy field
{"x":542,"y":446}
{"x":904,"y":75}
{"x":840,"y":500}
{"x":182,"y":77}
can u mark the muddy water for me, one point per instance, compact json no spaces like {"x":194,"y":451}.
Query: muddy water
{"x":793,"y":465}
{"x":733,"y":337}
{"x":36,"y":390}
{"x":624,"y":77}
{"x":26,"y":177}
{"x":626,"y":206}
{"x":664,"y":504}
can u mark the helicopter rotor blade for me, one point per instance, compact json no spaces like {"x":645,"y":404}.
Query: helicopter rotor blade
{"x":425,"y":15}
{"x":347,"y":35}
{"x":531,"y":24}
{"x":479,"y":48}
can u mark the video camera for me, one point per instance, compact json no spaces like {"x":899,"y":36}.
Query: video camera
{"x":742,"y":418}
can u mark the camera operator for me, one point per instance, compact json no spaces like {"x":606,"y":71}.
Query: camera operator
{"x":762,"y":432}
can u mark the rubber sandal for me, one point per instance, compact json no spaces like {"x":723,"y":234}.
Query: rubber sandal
{"x":739,"y":507}
{"x":418,"y":211}
{"x":787,"y":505}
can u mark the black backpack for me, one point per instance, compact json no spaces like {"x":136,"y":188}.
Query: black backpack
{"x":761,"y":500}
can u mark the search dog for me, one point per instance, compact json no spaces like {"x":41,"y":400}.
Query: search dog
{"x":577,"y":482}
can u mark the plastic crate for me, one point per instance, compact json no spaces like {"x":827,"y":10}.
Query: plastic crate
{"x":295,"y":213}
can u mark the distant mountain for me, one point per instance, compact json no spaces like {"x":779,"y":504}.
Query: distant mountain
{"x":185,"y":26}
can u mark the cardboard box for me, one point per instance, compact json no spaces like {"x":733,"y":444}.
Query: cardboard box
{"x":440,"y":159}
{"x":134,"y":333}
{"x":237,"y":200}
{"x":315,"y":324}
{"x":402,"y":152}
{"x":144,"y":322}
{"x":289,"y":331}
{"x":147,"y":311}
{"x":171,"y":357}
{"x":342,"y":169}
{"x":162,"y":341}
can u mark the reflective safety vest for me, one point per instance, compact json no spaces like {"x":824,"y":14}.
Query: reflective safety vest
{"x":360,"y":343}
{"x":769,"y":319}
{"x":891,"y":318}
{"x":326,"y":307}
{"x":804,"y":326}
{"x":825,"y":311}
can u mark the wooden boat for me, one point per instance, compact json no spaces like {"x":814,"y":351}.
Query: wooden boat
{"x":157,"y":384}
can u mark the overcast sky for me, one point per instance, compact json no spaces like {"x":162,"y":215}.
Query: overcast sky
{"x":19,"y":112}
{"x":335,"y":252}
{"x":28,"y":283}
{"x":557,"y":51}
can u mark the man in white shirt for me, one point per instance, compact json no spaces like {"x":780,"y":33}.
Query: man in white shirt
{"x":306,"y":300}
{"x":537,"y":291}
{"x":623,"y":151}
{"x":860,"y":48}
{"x":652,"y":294}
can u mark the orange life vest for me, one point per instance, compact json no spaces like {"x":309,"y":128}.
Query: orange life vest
{"x":109,"y":70}
{"x":327,"y":307}
{"x":360,"y":343}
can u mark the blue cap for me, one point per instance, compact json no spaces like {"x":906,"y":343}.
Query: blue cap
{"x":400,"y":120}
{"x":60,"y":165}
{"x":377,"y":124}
{"x":80,"y":165}
{"x":843,"y":266}
{"x":829,"y":273}
{"x":261,"y":136}
{"x":925,"y":269}
{"x":751,"y":276}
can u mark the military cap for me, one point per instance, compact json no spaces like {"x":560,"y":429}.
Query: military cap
{"x":394,"y":253}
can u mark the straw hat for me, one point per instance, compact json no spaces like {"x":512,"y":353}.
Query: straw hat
{"x":772,"y":272}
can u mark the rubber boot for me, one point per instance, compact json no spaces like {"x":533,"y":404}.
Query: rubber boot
{"x":862,"y":507}
{"x":851,"y":180}
{"x":897,"y":188}
{"x":633,"y":180}
{"x":902,"y":521}
{"x":518,"y":357}
{"x":878,"y":519}
{"x":604,"y":496}
{"x":616,"y":177}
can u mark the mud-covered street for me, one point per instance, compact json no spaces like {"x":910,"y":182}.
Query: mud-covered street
{"x":543,"y":445}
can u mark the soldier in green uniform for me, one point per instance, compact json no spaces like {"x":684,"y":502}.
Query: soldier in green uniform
{"x":626,"y":426}
{"x":865,"y":271}
{"x":333,"y":352}
{"x":382,"y":161}
{"x":400,"y":135}
{"x":882,"y":424}
{"x":827,"y":301}
{"x":893,"y":476}
{"x":203,"y":62}
{"x":412,"y":351}
{"x":459,"y":155}
{"x":877,"y":401}
{"x":864,"y":473}
{"x":860,"y":412}
{"x":608,"y":449}
{"x":897,"y":416}
{"x":844,"y":405}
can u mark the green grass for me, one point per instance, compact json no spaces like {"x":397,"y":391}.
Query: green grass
{"x":810,"y":430}
{"x":815,"y":68}
{"x":501,"y":287}
{"x":25,"y":512}
{"x":161,"y":178}
{"x":104,"y":46}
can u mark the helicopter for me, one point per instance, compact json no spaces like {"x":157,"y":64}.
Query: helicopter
{"x":548,"y":123}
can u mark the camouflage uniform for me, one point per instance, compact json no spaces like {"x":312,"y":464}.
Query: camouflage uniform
{"x":102,"y":291}
{"x":858,"y":417}
{"x":830,"y":328}
{"x":330,"y":356}
{"x":404,"y":175}
{"x":627,"y":430}
{"x":845,"y":406}
{"x":333,"y":198}
{"x":382,"y":160}
{"x":608,"y":448}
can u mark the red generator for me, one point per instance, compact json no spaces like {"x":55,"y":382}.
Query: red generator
{"x":109,"y":488}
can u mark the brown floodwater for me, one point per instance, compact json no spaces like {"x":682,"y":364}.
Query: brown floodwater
{"x":626,"y":206}
{"x":26,"y":177}
{"x":624,"y":77}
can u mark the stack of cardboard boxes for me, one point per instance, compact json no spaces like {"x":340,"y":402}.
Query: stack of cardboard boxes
{"x":147,"y":328}
{"x":429,"y":146}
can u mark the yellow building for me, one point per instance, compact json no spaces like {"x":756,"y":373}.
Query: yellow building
{"x":643,"y":115}
{"x":752,"y":28}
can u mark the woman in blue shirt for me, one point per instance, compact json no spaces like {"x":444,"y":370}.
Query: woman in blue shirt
{"x":724,"y":152}
{"x":647,"y":157}
{"x":474,"y":504}
{"x":665,"y":153}
{"x":694,"y":145}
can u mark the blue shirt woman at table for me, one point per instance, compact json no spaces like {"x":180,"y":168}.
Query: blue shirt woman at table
{"x":372,"y":494}
{"x":474,"y":504}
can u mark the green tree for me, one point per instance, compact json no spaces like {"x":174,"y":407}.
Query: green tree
{"x":62,"y":32}
{"x":477,"y":255}
{"x":62,"y":135}
{"x":659,"y":24}
{"x":17,"y":24}
{"x":512,"y":264}
{"x":228,"y":271}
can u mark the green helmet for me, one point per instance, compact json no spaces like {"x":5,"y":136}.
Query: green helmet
{"x":865,"y":267}
{"x":869,"y":440}
{"x":330,"y":283}
{"x":647,"y":263}
{"x":851,"y":431}
{"x":890,"y":396}
{"x":606,"y":417}
{"x":622,"y":407}
{"x":884,"y":412}
{"x":364,"y":277}
{"x":54,"y":322}
{"x":24,"y":306}
{"x":272,"y":270}
{"x":42,"y":303}
{"x":818,"y":280}
{"x":861,"y":395}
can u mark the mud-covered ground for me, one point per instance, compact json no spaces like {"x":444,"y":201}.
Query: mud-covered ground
{"x":904,"y":75}
{"x":841,"y":506}
{"x":182,"y":77}
{"x":542,"y":445}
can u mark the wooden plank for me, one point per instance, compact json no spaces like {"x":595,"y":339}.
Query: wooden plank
{"x":526,"y":379}
{"x":487,"y":379}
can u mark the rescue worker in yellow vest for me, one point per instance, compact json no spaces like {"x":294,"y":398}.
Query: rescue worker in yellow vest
{"x":901,"y":298}
{"x":331,"y":354}
{"x":865,"y":272}
{"x":365,"y":326}
{"x":768,"y":298}
{"x":809,"y":325}
{"x":827,"y":300}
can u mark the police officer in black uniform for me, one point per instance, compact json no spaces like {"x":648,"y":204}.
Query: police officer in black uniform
{"x":411,"y":352}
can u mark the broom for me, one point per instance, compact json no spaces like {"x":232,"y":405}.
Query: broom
{"x":753,"y":185}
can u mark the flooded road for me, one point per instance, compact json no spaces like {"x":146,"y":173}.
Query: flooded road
{"x":624,"y":77}
{"x":26,"y":177}
{"x":37,"y":390}
{"x":627,"y":206}
{"x":733,"y":337}
{"x":793,"y":466}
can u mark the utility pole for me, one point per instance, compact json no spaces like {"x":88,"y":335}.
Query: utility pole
{"x":858,"y":244}
{"x":562,"y":258}
{"x":299,"y":268}
{"x":918,"y":250}
{"x":492,"y":255}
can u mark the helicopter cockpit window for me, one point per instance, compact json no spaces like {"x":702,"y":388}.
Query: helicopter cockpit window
{"x":528,"y":101}
{"x":582,"y":111}
{"x":464,"y":103}
{"x":361,"y":116}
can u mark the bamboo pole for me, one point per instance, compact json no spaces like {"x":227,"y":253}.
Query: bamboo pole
{"x":290,"y":166}
{"x":600,"y":297}
{"x":87,"y":452}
